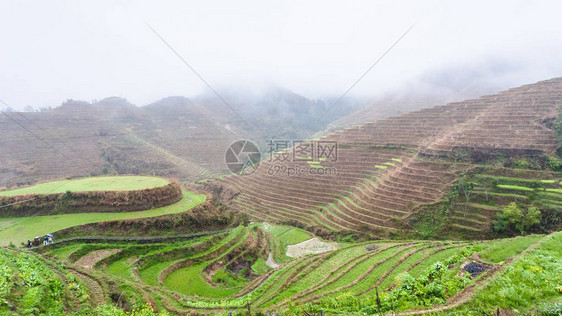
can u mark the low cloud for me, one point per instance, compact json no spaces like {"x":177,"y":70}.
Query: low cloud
{"x":53,"y":51}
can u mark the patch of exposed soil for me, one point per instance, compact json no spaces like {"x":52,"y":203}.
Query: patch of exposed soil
{"x":311,"y":246}
{"x":211,"y":270}
{"x":371,"y":247}
{"x":475,"y":269}
{"x":89,"y":260}
{"x":269,"y":262}
{"x":238,"y":265}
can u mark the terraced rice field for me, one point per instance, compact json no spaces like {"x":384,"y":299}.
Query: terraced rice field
{"x":182,"y":276}
{"x":492,"y":192}
{"x":385,"y":170}
{"x":20,"y":229}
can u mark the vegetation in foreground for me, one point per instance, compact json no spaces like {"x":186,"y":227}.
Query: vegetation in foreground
{"x":531,"y":284}
{"x":225,"y":272}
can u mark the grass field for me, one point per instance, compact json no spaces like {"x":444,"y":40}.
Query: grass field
{"x":501,"y":250}
{"x":188,"y":281}
{"x":20,"y":229}
{"x":514,"y":187}
{"x":117,"y":183}
{"x":260,"y":267}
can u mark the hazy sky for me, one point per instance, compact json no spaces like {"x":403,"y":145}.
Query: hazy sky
{"x":55,"y":50}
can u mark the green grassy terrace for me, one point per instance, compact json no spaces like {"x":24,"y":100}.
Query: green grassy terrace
{"x":19,"y":229}
{"x":114,"y":183}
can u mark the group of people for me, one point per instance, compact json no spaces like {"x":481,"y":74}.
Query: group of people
{"x":47,"y":239}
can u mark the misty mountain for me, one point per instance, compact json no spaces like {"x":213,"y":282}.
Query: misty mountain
{"x":176,"y":136}
{"x":451,"y":83}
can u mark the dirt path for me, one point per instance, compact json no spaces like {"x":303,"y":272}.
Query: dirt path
{"x":136,"y":275}
{"x":98,"y":297}
{"x":311,"y":246}
{"x":270,"y":262}
{"x":89,"y":260}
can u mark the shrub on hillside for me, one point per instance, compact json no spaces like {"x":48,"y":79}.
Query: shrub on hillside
{"x":112,"y":310}
{"x":512,"y":219}
{"x":480,"y":156}
{"x":551,"y":220}
{"x":521,"y":163}
{"x":554,"y":163}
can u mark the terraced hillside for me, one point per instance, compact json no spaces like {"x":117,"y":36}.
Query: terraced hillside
{"x":399,"y":218}
{"x":494,"y":188}
{"x":386,"y":169}
{"x":228,"y":271}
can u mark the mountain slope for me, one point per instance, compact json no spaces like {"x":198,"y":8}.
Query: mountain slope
{"x":386,"y":169}
{"x":174,"y":137}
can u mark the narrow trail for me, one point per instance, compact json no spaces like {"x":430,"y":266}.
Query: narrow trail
{"x":149,"y":299}
{"x":136,"y":275}
{"x":462,"y":297}
{"x":98,"y":297}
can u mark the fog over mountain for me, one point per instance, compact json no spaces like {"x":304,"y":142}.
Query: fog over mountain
{"x":61,"y":50}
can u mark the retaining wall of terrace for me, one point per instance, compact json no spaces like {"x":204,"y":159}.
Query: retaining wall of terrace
{"x":204,"y":217}
{"x":488,"y":153}
{"x":89,"y":202}
{"x":137,"y":240}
